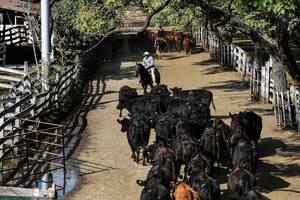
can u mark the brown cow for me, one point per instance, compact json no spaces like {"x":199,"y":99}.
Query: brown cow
{"x":185,"y":192}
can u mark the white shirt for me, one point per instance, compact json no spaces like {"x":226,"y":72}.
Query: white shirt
{"x":148,"y":61}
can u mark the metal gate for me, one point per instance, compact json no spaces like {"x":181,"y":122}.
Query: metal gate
{"x":29,"y":151}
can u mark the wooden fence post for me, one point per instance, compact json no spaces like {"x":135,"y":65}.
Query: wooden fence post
{"x":289,"y":108}
{"x":26,"y":68}
{"x":283,"y":109}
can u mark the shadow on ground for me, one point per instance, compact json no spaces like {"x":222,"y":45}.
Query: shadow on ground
{"x":87,"y":168}
{"x":229,"y":86}
{"x":210,"y":61}
{"x":271,"y":175}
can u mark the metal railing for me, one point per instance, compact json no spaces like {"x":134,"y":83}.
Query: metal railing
{"x":31,"y":149}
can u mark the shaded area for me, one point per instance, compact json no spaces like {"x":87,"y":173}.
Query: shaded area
{"x":276,"y":146}
{"x":87,"y":168}
{"x":228,"y":86}
{"x":168,"y":57}
{"x":270,"y":174}
{"x":261,"y":111}
{"x":210,"y":61}
{"x":217,"y":69}
{"x":268,"y":179}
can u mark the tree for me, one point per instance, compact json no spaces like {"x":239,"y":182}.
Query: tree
{"x":78,"y":24}
{"x":268,"y":23}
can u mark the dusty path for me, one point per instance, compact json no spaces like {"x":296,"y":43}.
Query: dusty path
{"x":108,"y":173}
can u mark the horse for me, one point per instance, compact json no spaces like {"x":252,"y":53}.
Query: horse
{"x":178,"y":38}
{"x":188,"y":44}
{"x":146,"y":77}
{"x":159,"y":45}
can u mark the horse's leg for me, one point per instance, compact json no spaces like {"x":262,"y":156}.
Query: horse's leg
{"x":145,"y":89}
{"x":138,"y":155}
{"x":120,"y":113}
{"x":151,"y":85}
{"x":143,"y":154}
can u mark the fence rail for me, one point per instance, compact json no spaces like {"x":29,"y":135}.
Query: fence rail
{"x":261,"y":84}
{"x":13,"y":35}
{"x":27,"y":104}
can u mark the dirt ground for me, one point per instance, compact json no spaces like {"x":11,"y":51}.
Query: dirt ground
{"x":108,"y":173}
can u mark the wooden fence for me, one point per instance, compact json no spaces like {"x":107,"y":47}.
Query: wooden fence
{"x":2,"y":53}
{"x":12,"y":35}
{"x":261,"y":83}
{"x":28,"y":104}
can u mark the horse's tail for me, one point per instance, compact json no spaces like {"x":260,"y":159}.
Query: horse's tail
{"x":157,"y":76}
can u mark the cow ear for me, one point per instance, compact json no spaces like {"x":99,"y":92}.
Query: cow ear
{"x":230,"y":115}
{"x":119,"y":121}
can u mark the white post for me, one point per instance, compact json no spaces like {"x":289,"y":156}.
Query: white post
{"x":25,"y":68}
{"x":45,"y":42}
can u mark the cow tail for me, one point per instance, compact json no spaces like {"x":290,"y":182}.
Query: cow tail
{"x":212,"y":101}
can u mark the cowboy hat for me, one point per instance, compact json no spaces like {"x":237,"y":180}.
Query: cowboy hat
{"x":146,"y":53}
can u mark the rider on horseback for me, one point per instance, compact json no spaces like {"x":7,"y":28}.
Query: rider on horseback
{"x":160,"y":32}
{"x":148,"y":62}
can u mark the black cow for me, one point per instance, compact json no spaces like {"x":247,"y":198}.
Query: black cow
{"x":186,"y":147}
{"x":222,"y":131}
{"x":159,"y":91}
{"x":208,"y":143}
{"x":165,"y":129}
{"x":190,"y":128}
{"x":254,"y":195}
{"x":207,"y":187}
{"x":138,"y":133}
{"x":245,"y":155}
{"x":149,"y":152}
{"x":199,"y":163}
{"x":126,"y":93}
{"x":152,"y":107}
{"x":161,"y":172}
{"x":181,"y":108}
{"x":195,"y":96}
{"x":240,"y":181}
{"x":155,"y":191}
{"x":250,"y":124}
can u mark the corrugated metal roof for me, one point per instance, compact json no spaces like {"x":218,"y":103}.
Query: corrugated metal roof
{"x":20,"y":6}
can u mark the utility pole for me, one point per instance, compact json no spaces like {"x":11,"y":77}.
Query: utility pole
{"x":45,"y":13}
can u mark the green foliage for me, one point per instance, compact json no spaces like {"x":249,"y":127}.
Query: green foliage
{"x":178,"y":14}
{"x":263,"y":14}
{"x":77,"y":24}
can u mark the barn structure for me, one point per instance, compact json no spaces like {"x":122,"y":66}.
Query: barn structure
{"x":19,"y":40}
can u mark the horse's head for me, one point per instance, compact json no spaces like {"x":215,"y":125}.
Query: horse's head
{"x":139,"y":68}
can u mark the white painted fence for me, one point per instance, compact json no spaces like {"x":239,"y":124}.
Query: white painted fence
{"x":286,"y":105}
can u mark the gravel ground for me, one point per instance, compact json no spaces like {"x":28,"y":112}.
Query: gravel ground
{"x":103,"y":159}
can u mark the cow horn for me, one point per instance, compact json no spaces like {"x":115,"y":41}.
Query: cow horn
{"x":230,"y":115}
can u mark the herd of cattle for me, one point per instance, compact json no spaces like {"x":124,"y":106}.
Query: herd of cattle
{"x":176,"y":40}
{"x":186,"y":135}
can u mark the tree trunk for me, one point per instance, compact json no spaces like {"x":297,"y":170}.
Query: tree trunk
{"x":279,"y":76}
